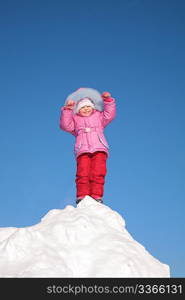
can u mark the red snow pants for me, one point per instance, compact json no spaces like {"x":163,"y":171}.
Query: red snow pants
{"x":90,"y":174}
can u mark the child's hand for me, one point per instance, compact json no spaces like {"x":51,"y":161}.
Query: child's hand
{"x":106,"y":95}
{"x":70,"y":104}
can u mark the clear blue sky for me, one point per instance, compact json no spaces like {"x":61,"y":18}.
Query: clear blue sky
{"x":134,"y":49}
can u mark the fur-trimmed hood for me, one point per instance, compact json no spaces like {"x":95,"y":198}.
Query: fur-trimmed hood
{"x":90,"y":93}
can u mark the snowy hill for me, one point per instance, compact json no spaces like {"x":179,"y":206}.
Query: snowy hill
{"x":85,"y":241}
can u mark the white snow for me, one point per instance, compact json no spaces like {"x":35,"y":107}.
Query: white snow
{"x":89,"y":240}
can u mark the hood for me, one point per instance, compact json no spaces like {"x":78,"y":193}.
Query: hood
{"x":90,"y":93}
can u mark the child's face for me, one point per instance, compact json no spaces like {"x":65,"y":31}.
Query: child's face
{"x":86,"y":111}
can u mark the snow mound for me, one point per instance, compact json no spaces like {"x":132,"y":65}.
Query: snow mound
{"x":89,"y":240}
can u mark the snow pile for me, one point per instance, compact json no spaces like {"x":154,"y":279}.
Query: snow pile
{"x":89,"y":240}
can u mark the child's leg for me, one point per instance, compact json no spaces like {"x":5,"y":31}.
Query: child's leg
{"x":97,"y":174}
{"x":82,"y":175}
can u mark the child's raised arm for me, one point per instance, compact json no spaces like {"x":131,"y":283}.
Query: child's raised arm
{"x":66,"y":118}
{"x":109,"y":111}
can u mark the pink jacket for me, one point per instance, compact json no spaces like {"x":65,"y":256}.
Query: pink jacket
{"x":89,"y":130}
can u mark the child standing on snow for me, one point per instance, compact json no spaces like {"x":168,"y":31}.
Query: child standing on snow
{"x":87,"y":124}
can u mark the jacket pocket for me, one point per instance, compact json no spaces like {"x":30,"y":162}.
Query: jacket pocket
{"x":78,"y":147}
{"x":103,"y":141}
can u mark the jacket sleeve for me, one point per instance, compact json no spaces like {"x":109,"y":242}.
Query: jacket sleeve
{"x":109,"y":111}
{"x":67,"y":121}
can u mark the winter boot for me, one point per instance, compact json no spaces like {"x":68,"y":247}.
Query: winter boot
{"x":78,"y":200}
{"x":99,"y":200}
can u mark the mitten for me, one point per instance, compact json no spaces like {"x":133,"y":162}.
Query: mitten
{"x":69,"y":105}
{"x":106,"y":96}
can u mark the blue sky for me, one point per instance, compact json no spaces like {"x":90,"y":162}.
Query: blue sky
{"x":135,"y":50}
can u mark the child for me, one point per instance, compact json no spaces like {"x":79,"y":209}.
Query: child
{"x":87,"y":124}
